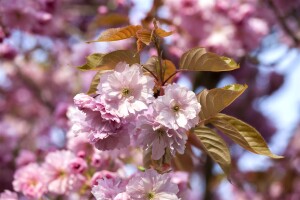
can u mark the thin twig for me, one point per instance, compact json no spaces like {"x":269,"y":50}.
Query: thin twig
{"x":170,"y":77}
{"x":283,"y":23}
{"x":148,"y":70}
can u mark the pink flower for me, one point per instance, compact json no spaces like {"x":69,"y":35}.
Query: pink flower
{"x":153,"y":135}
{"x":126,"y":91}
{"x":109,"y":188}
{"x":8,"y":195}
{"x":103,"y":129}
{"x":30,"y":180}
{"x":151,"y":185}
{"x":177,"y":108}
{"x":101,"y":175}
{"x":76,"y":120}
{"x":25,"y":157}
{"x":181,"y":179}
{"x":78,"y":165}
{"x":60,"y":177}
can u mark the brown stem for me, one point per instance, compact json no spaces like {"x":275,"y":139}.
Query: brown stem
{"x":156,"y":78}
{"x":170,"y":77}
{"x":159,"y":55}
{"x":208,"y":194}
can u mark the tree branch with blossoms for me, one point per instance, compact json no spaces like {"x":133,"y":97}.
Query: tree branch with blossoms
{"x":161,"y":113}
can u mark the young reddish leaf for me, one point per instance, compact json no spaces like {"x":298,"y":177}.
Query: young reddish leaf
{"x":214,"y":146}
{"x":108,"y":61}
{"x":215,"y":100}
{"x":198,"y":59}
{"x":162,"y":33}
{"x":169,"y":69}
{"x":144,"y":35}
{"x":114,"y":34}
{"x":243,"y":134}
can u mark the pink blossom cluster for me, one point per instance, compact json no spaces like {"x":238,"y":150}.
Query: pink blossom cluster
{"x":124,"y":112}
{"x":143,"y":185}
{"x":229,"y":27}
{"x":65,"y":172}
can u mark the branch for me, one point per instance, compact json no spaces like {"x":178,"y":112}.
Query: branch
{"x":283,"y":23}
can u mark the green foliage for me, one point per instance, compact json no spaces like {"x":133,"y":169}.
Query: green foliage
{"x":95,"y":82}
{"x":215,"y":100}
{"x":243,"y":134}
{"x":198,"y":59}
{"x":108,"y":61}
{"x":114,"y":34}
{"x":214,"y":146}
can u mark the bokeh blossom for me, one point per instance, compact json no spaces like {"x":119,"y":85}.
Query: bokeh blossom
{"x":108,"y":188}
{"x":60,"y":173}
{"x":30,"y":180}
{"x":8,"y":195}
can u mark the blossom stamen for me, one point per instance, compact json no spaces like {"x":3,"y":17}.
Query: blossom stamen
{"x":150,"y":195}
{"x":176,"y":108}
{"x":125,"y":92}
{"x":160,"y":132}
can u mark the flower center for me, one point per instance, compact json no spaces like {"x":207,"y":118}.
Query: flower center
{"x":160,"y":132}
{"x":176,"y":108}
{"x":150,"y":195}
{"x":125,"y":92}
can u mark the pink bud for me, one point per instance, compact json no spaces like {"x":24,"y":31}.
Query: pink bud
{"x":78,"y":165}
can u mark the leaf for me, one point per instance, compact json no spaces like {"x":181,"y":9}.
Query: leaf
{"x":152,"y":64}
{"x":114,"y":34}
{"x":184,"y":162}
{"x":147,"y":160}
{"x":144,"y":36}
{"x":198,"y":59}
{"x":95,"y":82}
{"x":169,"y":69}
{"x":109,"y":61}
{"x":215,"y":100}
{"x":162,"y":33}
{"x":215,"y":147}
{"x":243,"y":134}
{"x":110,"y":19}
{"x":139,"y":45}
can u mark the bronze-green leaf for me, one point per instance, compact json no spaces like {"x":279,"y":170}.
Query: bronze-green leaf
{"x":95,"y":82}
{"x":162,"y":33}
{"x":198,"y":59}
{"x":215,"y":100}
{"x":144,"y":35}
{"x":108,"y":61}
{"x":168,"y":67}
{"x":214,"y":146}
{"x":114,"y":34}
{"x":243,"y":134}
